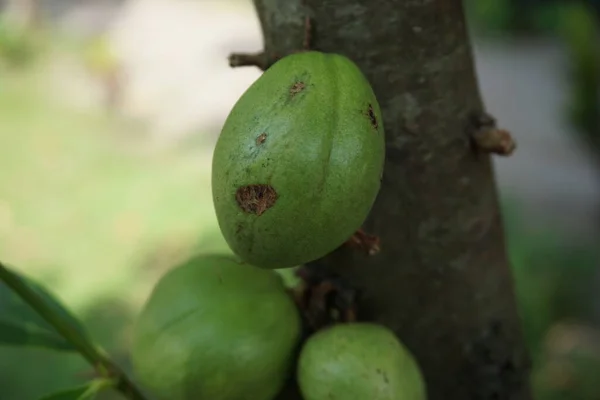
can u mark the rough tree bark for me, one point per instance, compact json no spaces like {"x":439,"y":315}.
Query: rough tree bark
{"x":442,"y":280}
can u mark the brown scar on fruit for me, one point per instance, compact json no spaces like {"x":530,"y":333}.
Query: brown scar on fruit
{"x":256,"y":199}
{"x":372,"y":117}
{"x":324,"y":298}
{"x":297,"y":88}
{"x":361,"y":240}
{"x":261,"y":138}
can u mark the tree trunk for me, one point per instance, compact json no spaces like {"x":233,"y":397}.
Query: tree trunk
{"x":442,"y":280}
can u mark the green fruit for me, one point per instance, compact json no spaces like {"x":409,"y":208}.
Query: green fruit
{"x":299,"y":161}
{"x":215,"y":328}
{"x":358,"y":361}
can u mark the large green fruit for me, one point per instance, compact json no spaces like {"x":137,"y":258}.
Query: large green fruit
{"x":299,"y":161}
{"x":358,"y":361}
{"x":214,"y":328}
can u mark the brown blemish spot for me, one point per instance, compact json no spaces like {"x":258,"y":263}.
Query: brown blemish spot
{"x":256,"y":199}
{"x":296,"y":88}
{"x":261,"y":138}
{"x":372,"y":117}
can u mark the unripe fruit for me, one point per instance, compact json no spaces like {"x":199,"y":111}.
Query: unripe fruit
{"x":214,"y":328}
{"x":358,"y":361}
{"x":299,"y":161}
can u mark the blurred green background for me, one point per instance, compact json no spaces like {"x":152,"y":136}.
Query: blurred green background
{"x":97,"y":204}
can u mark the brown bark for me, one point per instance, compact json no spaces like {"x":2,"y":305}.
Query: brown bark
{"x":442,"y":280}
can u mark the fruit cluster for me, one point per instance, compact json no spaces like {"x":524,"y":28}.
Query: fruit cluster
{"x":295,"y":173}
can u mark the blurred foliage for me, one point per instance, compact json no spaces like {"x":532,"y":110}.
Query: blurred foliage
{"x":490,"y":16}
{"x":19,"y":46}
{"x":569,"y":363}
{"x":577,"y":23}
{"x":556,"y":281}
{"x":82,"y":204}
{"x":99,"y":57}
{"x":555,"y":278}
{"x":519,"y":17}
{"x":580,"y":29}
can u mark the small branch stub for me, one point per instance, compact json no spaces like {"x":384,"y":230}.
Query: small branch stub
{"x":260,"y":60}
{"x":489,"y":138}
{"x":324,"y":298}
{"x":265,"y":59}
{"x":365,"y":242}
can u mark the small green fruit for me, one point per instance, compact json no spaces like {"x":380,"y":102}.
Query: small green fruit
{"x":214,"y":328}
{"x":299,"y":161}
{"x":358,"y":361}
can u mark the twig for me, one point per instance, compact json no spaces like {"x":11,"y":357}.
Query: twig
{"x":260,"y":60}
{"x":91,"y":352}
{"x":488,"y":138}
{"x":265,"y":59}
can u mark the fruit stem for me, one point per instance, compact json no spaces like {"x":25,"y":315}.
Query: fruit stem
{"x":93,"y":353}
{"x":364,"y":241}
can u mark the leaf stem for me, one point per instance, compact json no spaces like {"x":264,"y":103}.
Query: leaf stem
{"x":99,"y":385}
{"x":94,"y":354}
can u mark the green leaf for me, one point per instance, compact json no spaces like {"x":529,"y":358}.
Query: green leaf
{"x":21,"y":325}
{"x":84,"y":392}
{"x":78,"y":393}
